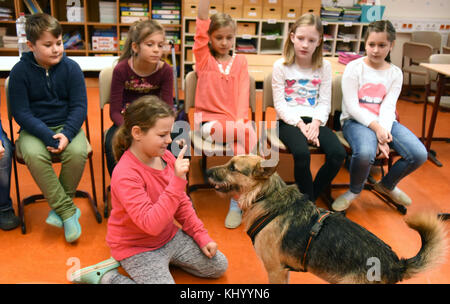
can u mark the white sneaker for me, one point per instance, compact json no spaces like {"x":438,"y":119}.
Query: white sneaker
{"x":396,"y":195}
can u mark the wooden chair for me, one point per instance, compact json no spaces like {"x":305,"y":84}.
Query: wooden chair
{"x":17,"y":157}
{"x":413,"y":54}
{"x":432,"y":38}
{"x":104,"y":85}
{"x":202,"y":146}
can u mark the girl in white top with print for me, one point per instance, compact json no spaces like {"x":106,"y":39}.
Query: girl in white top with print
{"x":301,"y":83}
{"x":371,"y":86}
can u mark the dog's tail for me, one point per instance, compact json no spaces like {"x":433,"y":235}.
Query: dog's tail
{"x":434,"y":244}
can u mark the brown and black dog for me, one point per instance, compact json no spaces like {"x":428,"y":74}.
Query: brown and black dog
{"x":290,"y":233}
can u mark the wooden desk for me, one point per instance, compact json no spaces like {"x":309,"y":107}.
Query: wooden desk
{"x":443,"y":71}
{"x":261,"y":65}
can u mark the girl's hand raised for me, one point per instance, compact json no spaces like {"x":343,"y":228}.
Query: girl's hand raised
{"x":181,"y":165}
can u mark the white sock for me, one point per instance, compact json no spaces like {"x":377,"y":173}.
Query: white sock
{"x":234,"y":205}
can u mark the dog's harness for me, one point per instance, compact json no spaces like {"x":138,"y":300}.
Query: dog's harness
{"x":265,"y":219}
{"x":322,"y":215}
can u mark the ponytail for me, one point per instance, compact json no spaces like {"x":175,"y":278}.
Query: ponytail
{"x":121,"y":142}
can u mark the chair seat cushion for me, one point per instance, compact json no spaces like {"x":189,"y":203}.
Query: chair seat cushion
{"x":445,"y":101}
{"x":414,"y":69}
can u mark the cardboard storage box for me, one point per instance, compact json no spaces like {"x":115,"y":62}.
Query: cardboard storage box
{"x":246,"y":28}
{"x":315,"y":10}
{"x":190,"y":9}
{"x":271,"y":12}
{"x":253,"y":2}
{"x":252,"y":12}
{"x":234,"y":10}
{"x":277,"y":3}
{"x":291,"y":13}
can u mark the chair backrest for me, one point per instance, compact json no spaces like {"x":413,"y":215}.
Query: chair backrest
{"x":440,"y":58}
{"x":190,"y":85}
{"x":417,"y":51}
{"x":432,"y":38}
{"x":104,"y":85}
{"x":446,"y":50}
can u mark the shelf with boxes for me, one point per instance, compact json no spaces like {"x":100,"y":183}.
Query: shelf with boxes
{"x":94,"y":27}
{"x":262,"y":25}
{"x":343,"y":37}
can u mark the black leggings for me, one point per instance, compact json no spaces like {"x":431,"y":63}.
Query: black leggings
{"x":297,"y":144}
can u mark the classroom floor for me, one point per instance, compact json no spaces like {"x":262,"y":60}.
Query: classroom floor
{"x":43,"y":256}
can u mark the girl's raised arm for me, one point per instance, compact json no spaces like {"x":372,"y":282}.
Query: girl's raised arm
{"x":203,"y":10}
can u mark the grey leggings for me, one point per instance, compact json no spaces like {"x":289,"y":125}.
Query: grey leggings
{"x":152,"y":267}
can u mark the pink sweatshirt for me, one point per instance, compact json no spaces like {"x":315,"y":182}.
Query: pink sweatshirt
{"x":145,"y":203}
{"x":219,"y":96}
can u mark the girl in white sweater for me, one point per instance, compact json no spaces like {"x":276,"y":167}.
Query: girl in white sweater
{"x":301,"y":83}
{"x":371,"y":86}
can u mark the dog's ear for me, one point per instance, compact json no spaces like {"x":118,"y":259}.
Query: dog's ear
{"x":264,"y":169}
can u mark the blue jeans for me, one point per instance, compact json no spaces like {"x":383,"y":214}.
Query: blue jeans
{"x":363,"y":142}
{"x":5,"y":173}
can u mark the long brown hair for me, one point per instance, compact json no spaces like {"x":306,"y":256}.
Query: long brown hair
{"x":289,"y":52}
{"x":218,"y":21}
{"x":382,"y":26}
{"x":143,"y":112}
{"x":137,"y":33}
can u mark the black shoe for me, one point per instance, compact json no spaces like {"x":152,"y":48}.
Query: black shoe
{"x":8,"y":220}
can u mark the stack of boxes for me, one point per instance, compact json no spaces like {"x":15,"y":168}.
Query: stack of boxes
{"x":104,"y":40}
{"x":131,"y":12}
{"x":257,"y":9}
{"x":166,"y":12}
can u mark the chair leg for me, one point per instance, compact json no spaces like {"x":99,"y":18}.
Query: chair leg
{"x":93,"y":202}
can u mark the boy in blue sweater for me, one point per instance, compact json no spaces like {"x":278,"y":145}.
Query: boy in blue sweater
{"x":48,"y":100}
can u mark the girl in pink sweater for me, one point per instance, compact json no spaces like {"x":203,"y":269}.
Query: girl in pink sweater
{"x":222,"y":95}
{"x":148,"y":195}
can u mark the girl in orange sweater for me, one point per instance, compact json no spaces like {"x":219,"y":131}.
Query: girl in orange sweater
{"x":222,"y":95}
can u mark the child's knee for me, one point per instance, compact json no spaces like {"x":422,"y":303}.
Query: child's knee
{"x":220,"y":265}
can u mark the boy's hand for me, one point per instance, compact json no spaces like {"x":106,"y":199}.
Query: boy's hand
{"x":181,"y":165}
{"x":63,"y":142}
{"x":210,"y":249}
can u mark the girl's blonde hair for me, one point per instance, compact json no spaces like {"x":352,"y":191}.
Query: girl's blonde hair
{"x":218,"y":21}
{"x":289,"y":52}
{"x":137,"y":33}
{"x":143,"y":112}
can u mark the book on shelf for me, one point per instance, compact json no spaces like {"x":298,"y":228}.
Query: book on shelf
{"x":6,"y":14}
{"x":134,"y":13}
{"x":169,"y":21}
{"x":33,"y":6}
{"x":131,"y":19}
{"x":169,"y":16}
